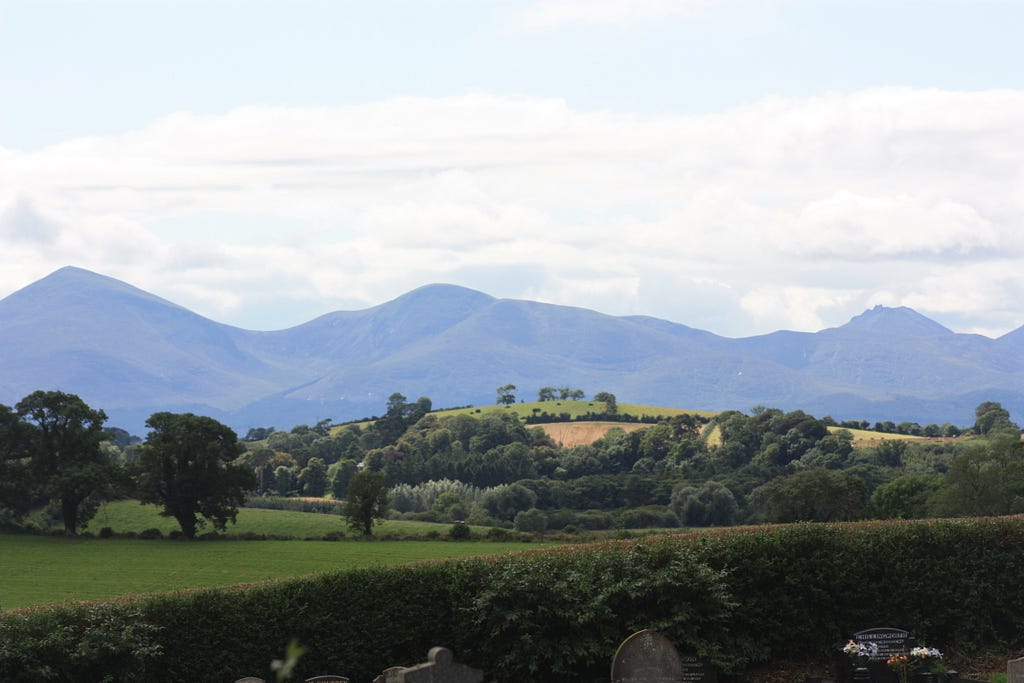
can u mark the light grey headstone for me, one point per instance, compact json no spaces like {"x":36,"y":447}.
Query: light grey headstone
{"x":441,"y":667}
{"x":1015,"y":671}
{"x":646,"y":657}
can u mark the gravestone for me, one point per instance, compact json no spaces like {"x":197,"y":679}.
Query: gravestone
{"x":883,"y":642}
{"x":890,"y":641}
{"x":647,"y":657}
{"x":1015,"y":671}
{"x":440,"y":668}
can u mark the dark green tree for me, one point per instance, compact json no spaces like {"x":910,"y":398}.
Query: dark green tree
{"x":712,"y":504}
{"x":63,"y":439}
{"x":816,"y":495}
{"x":15,"y":470}
{"x":993,"y":421}
{"x":506,"y":394}
{"x":503,"y":502}
{"x":546,"y":394}
{"x":313,"y":478}
{"x":905,"y":497}
{"x":608,"y":398}
{"x":339,"y":475}
{"x":366,"y":501}
{"x":187,"y":466}
{"x":983,"y":481}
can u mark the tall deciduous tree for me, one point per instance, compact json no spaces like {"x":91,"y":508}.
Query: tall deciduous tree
{"x":366,"y":501}
{"x":187,"y":467}
{"x":15,"y":473}
{"x":64,"y":439}
{"x":608,"y":399}
{"x":506,"y":394}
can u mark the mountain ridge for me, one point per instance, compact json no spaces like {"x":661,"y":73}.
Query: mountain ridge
{"x":133,"y":353}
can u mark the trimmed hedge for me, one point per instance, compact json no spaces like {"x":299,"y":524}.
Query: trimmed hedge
{"x":736,"y":597}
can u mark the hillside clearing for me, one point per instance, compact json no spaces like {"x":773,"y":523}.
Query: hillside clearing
{"x":569,"y":434}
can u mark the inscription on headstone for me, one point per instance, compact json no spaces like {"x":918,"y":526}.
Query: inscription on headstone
{"x":697,"y":671}
{"x":1015,"y":671}
{"x":890,"y":641}
{"x":647,"y":657}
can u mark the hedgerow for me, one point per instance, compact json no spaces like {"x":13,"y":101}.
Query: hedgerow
{"x":736,"y":597}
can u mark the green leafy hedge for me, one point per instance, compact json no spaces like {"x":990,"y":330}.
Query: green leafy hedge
{"x":736,"y":597}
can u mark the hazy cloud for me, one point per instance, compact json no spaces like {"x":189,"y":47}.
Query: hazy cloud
{"x":786,"y":212}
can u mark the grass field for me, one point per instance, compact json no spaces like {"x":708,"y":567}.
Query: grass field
{"x":574,"y":409}
{"x":40,"y":570}
{"x":129,"y":515}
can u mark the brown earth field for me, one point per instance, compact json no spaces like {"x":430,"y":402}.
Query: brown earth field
{"x":570,"y":434}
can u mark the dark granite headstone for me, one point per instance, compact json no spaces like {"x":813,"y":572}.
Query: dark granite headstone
{"x":647,"y":657}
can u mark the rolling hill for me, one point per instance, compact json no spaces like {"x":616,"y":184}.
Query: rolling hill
{"x":132,"y":353}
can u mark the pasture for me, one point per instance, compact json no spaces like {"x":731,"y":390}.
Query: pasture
{"x":41,"y":570}
{"x":128,"y":515}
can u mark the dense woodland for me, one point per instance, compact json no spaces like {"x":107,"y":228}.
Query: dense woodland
{"x":492,"y":469}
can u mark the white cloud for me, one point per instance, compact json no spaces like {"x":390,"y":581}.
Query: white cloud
{"x":799,"y":210}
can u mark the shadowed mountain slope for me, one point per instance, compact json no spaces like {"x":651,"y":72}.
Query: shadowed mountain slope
{"x":132,"y":353}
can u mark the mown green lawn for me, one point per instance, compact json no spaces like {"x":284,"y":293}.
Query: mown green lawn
{"x":129,"y":515}
{"x":39,"y":570}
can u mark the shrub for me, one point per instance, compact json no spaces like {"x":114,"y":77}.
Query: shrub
{"x":459,"y":532}
{"x":734,"y":597}
{"x":150,"y":534}
{"x":106,"y":532}
{"x":531,"y":521}
{"x":104,"y":642}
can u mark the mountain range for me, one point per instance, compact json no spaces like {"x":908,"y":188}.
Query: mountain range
{"x":132,"y":353}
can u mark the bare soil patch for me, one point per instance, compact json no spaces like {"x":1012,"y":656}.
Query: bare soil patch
{"x":571,"y":434}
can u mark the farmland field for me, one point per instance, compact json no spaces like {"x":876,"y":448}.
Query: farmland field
{"x":129,"y":515}
{"x":570,"y":434}
{"x":41,"y":570}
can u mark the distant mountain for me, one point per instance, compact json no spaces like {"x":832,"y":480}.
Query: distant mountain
{"x":132,"y":353}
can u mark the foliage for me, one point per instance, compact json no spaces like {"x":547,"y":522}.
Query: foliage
{"x":712,"y":504}
{"x":63,"y":436}
{"x":906,"y":497}
{"x":736,"y":597}
{"x":366,"y":501}
{"x":610,"y":404}
{"x":187,"y":467}
{"x":504,"y":502}
{"x":85,"y":644}
{"x":530,"y":521}
{"x":506,"y":394}
{"x":812,"y":495}
{"x":15,"y":471}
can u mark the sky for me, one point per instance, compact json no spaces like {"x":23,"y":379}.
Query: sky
{"x":739,"y":166}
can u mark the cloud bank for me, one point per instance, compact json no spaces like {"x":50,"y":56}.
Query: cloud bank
{"x":784,"y":213}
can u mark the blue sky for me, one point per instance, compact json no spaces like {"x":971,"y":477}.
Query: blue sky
{"x":735,"y":165}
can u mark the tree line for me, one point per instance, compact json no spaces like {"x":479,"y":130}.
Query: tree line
{"x":766,"y":466}
{"x":55,"y":452}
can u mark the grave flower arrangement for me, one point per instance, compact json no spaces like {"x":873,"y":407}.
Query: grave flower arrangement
{"x":919,"y":660}
{"x":860,"y":653}
{"x":927,"y":660}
